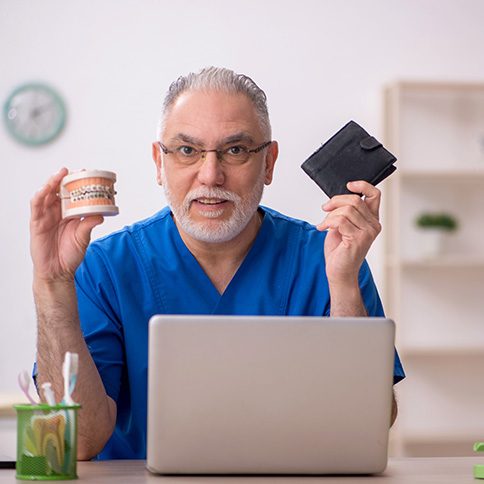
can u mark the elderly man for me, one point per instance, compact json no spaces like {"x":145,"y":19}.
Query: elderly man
{"x":214,"y":250}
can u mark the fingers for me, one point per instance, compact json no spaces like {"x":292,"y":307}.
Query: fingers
{"x":350,"y":214}
{"x":47,"y":195}
{"x":368,"y":207}
{"x":372,"y":195}
{"x":340,"y":222}
{"x":84,"y":229}
{"x":55,"y":180}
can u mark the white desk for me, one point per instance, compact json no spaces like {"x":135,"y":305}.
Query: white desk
{"x":433,"y":470}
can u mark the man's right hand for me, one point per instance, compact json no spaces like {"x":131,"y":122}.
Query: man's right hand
{"x":57,"y":246}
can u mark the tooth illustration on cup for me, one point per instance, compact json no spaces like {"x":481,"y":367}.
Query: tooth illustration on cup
{"x":88,"y":192}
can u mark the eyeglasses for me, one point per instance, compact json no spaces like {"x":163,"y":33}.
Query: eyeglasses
{"x":232,"y":155}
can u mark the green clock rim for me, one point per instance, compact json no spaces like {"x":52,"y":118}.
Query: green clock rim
{"x":58,"y":99}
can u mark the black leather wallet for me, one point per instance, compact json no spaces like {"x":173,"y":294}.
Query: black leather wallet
{"x":349,"y":155}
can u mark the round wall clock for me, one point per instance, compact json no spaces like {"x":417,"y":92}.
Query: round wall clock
{"x":34,"y":114}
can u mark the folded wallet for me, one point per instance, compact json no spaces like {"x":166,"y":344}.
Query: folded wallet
{"x":349,"y":155}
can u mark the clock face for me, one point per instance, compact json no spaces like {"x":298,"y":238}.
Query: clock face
{"x":34,"y":114}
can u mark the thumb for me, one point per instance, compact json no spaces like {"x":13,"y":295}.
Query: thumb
{"x":85,"y":227}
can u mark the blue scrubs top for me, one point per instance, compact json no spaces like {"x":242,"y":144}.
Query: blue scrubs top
{"x":146,"y":269}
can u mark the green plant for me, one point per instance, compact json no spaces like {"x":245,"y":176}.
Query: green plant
{"x":442,"y":221}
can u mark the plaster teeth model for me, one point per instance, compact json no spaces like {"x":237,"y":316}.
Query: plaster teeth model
{"x":88,"y":192}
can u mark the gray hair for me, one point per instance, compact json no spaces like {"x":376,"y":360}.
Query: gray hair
{"x":217,"y":79}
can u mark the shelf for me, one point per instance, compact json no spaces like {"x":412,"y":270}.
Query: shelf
{"x":432,"y":86}
{"x":470,"y":351}
{"x":451,"y":435}
{"x":442,"y":445}
{"x":444,"y":262}
{"x":436,"y":129}
{"x":447,"y":174}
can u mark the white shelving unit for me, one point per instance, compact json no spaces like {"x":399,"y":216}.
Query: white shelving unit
{"x":436,"y":130}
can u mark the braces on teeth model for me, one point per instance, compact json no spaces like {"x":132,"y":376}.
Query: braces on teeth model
{"x":88,"y":192}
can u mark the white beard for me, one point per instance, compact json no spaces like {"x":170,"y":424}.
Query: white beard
{"x":216,"y":231}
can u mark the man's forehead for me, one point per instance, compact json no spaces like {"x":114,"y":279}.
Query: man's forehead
{"x":196,"y":107}
{"x":211,"y":118}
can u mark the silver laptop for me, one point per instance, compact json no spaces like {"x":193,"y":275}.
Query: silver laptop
{"x":269,"y":395}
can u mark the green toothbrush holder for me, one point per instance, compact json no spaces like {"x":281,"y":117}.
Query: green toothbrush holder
{"x":46,"y":442}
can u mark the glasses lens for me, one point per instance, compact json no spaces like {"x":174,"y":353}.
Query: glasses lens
{"x":235,"y":155}
{"x":186,"y":155}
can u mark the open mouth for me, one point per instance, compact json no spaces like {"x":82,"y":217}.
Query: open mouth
{"x":212,"y":208}
{"x":210,"y":202}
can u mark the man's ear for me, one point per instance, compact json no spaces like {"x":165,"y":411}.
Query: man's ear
{"x":271,"y":157}
{"x":156,"y":154}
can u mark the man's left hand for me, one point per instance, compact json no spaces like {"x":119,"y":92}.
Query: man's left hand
{"x":352,"y":224}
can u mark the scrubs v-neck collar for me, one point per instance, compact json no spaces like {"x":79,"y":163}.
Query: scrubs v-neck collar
{"x":204,"y":282}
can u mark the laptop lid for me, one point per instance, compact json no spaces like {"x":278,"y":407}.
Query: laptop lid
{"x":276,"y":395}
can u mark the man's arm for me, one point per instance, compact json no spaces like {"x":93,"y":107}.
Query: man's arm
{"x":352,"y":224}
{"x":57,"y":248}
{"x":59,"y":331}
{"x":348,"y":302}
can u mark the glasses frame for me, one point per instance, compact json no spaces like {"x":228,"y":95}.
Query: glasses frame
{"x":203,"y":153}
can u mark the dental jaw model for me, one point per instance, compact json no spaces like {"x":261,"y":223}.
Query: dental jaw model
{"x":88,"y":192}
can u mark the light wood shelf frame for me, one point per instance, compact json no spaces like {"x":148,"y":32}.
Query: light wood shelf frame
{"x":421,"y":355}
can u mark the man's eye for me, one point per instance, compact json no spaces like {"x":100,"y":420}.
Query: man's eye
{"x":236,"y":150}
{"x":186,"y":150}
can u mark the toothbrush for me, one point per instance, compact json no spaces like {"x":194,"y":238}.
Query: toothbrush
{"x":48,"y":393}
{"x":24,"y":383}
{"x":69,"y":372}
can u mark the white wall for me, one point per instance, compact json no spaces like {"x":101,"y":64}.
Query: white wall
{"x":321,"y":63}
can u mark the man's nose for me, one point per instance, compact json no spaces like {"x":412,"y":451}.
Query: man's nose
{"x":211,"y":171}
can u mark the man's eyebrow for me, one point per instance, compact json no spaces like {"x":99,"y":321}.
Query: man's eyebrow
{"x":185,"y":138}
{"x":234,"y":138}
